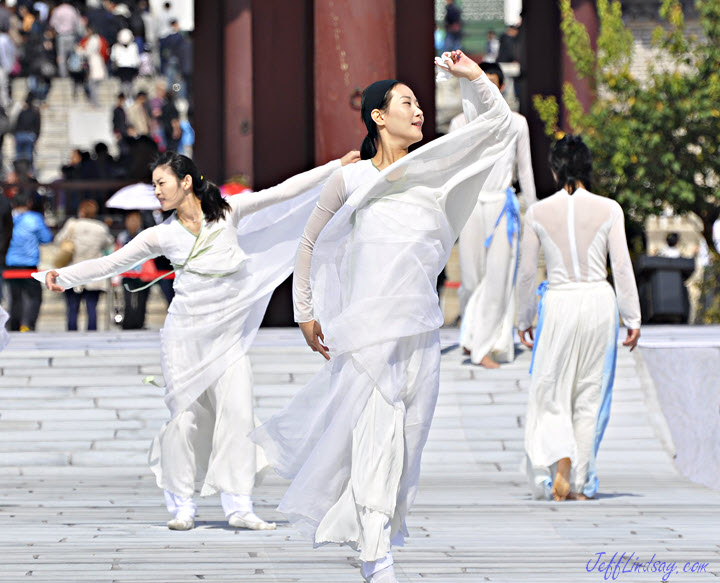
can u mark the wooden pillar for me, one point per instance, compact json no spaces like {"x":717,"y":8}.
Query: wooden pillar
{"x":282,"y":86}
{"x":415,"y":52}
{"x":354,"y":46}
{"x":542,"y":69}
{"x":237,"y":99}
{"x":208,"y":88}
{"x":586,"y":14}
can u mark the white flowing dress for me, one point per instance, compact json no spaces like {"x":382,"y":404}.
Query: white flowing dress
{"x":223,"y":281}
{"x":488,"y":248}
{"x":576,"y":337}
{"x":352,"y":438}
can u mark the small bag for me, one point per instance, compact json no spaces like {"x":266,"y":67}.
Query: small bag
{"x":66,"y":250}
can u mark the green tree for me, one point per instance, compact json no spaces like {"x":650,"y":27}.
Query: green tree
{"x":655,"y":141}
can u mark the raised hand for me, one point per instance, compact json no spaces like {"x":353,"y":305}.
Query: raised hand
{"x":459,"y":64}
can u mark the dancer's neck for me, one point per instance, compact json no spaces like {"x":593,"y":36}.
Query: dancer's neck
{"x":387,"y":156}
{"x":189,"y":211}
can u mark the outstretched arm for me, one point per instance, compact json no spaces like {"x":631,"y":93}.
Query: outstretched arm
{"x":144,"y":246}
{"x":245,"y":204}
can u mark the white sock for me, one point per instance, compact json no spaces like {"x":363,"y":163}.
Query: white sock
{"x":179,"y":506}
{"x":372,"y":567}
{"x":232,"y":503}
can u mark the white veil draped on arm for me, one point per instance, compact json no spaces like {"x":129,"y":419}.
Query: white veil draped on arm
{"x":375,"y":264}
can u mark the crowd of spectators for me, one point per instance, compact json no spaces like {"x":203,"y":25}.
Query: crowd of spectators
{"x":88,"y":41}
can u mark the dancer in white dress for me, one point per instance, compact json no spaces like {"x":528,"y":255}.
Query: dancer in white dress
{"x":488,"y":248}
{"x":228,"y":258}
{"x":352,"y":439}
{"x":575,"y":346}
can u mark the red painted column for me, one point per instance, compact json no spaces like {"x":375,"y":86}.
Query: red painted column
{"x":354,"y":46}
{"x":237,"y":100}
{"x":586,"y":14}
{"x":415,"y":52}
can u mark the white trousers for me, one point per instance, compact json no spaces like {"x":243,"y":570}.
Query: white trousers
{"x":487,"y":301}
{"x":571,"y":384}
{"x":182,"y":507}
{"x":206,"y":446}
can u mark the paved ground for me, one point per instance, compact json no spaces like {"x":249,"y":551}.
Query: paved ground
{"x":77,"y":501}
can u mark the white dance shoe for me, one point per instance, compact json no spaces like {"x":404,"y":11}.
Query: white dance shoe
{"x":249,"y":520}
{"x":386,"y":575}
{"x":181,"y":523}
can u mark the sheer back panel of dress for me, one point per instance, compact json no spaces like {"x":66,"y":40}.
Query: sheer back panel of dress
{"x":577,"y":233}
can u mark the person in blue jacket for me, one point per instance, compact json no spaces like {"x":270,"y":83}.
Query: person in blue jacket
{"x":29,"y":232}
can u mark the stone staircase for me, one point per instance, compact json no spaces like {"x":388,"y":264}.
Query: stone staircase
{"x":69,"y":121}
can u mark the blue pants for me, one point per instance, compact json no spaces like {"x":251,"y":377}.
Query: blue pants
{"x":73,"y":299}
{"x":24,"y":145}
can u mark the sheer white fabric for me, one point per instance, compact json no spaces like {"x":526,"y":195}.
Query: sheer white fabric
{"x":4,"y":336}
{"x":519,"y":160}
{"x":577,"y":232}
{"x":487,"y":299}
{"x":224,"y":279}
{"x":571,"y":385}
{"x":352,"y":439}
{"x":576,"y":340}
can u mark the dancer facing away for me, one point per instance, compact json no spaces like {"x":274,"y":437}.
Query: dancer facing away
{"x":381,"y":233}
{"x":575,"y":345}
{"x":488,"y":247}
{"x":226,"y":266}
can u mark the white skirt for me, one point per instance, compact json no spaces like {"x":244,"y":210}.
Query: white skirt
{"x":571,"y":386}
{"x":206,"y":446}
{"x":352,"y":440}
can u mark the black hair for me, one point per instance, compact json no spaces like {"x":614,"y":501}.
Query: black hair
{"x":213,"y":205}
{"x":494,"y":69}
{"x":21,"y":199}
{"x":672,"y":239}
{"x":375,"y":96}
{"x":571,"y":161}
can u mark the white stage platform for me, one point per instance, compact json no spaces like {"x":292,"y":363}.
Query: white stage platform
{"x":79,"y":504}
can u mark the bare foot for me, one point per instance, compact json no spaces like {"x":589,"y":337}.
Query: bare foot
{"x":561,"y":484}
{"x":578,"y":497}
{"x":488,"y":362}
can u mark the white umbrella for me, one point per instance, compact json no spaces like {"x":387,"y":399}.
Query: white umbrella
{"x":138,"y":196}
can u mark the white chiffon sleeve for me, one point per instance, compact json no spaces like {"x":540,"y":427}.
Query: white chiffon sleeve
{"x":526,"y":178}
{"x":245,"y":204}
{"x":332,"y":197}
{"x":144,"y":246}
{"x":479,"y":96}
{"x":623,"y":276}
{"x":527,"y":274}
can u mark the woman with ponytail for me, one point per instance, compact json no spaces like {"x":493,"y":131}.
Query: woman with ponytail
{"x":575,"y":344}
{"x":366,"y":269}
{"x":228,"y":257}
